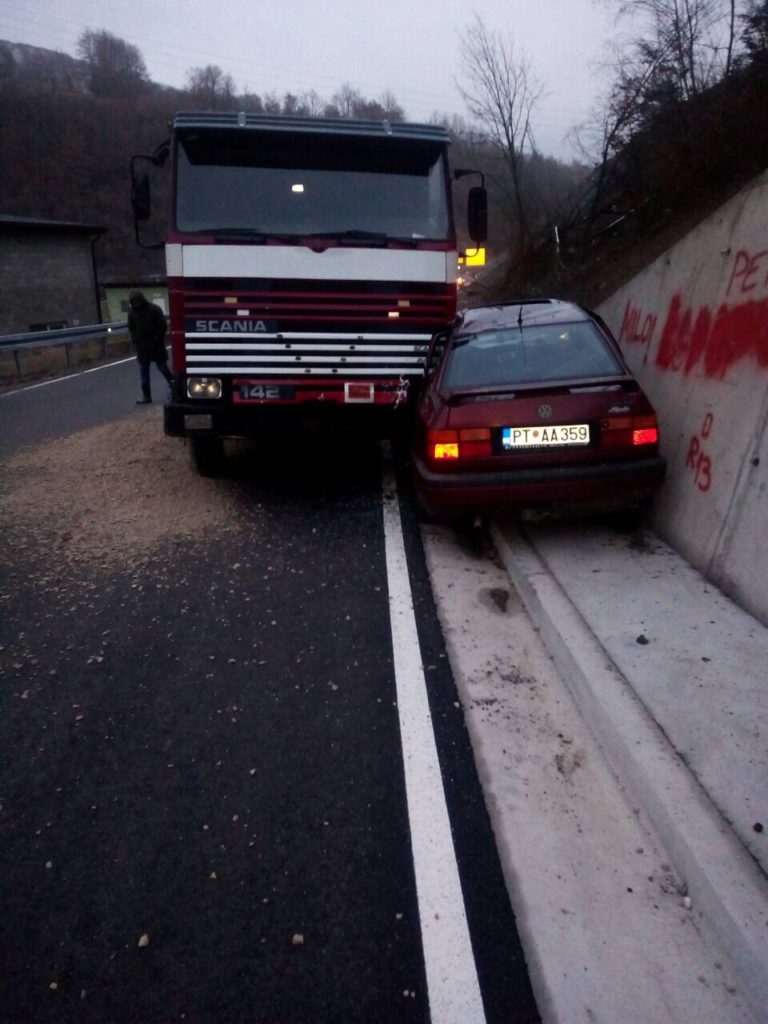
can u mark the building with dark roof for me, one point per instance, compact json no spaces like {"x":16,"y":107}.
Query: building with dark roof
{"x":47,"y":274}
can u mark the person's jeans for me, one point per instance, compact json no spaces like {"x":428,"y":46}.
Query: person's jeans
{"x":161,"y":364}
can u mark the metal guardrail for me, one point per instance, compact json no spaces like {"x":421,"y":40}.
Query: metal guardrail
{"x":66,"y":336}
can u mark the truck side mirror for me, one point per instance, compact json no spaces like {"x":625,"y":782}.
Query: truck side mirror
{"x":141,"y":201}
{"x":477,"y":214}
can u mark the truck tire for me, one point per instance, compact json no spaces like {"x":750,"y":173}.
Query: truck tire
{"x":207,"y":455}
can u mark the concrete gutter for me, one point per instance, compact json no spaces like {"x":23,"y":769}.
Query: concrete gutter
{"x":729,"y":891}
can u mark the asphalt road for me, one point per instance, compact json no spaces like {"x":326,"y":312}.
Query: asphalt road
{"x":38,"y":411}
{"x":204,"y":811}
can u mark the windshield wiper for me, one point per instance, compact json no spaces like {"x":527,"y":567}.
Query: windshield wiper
{"x":255,"y":235}
{"x":347,"y":237}
{"x":352,"y":236}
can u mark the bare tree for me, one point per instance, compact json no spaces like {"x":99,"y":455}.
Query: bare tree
{"x":211,"y":87}
{"x":639,"y":85}
{"x":500,"y":92}
{"x":251,"y":101}
{"x":731,"y":36}
{"x":680,"y":49}
{"x":661,"y":120}
{"x":116,"y":68}
{"x":345,"y":100}
{"x":349,"y":102}
{"x":692,"y":39}
{"x":392,"y":109}
{"x":612,"y":122}
{"x":312,"y":104}
{"x":272,"y":103}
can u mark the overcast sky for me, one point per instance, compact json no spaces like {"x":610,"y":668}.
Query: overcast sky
{"x":410,"y":47}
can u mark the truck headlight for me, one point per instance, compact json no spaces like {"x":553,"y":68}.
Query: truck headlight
{"x":203,"y":387}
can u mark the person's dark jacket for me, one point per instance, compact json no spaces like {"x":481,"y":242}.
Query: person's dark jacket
{"x":146,"y":324}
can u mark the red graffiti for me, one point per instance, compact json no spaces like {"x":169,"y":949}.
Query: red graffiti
{"x":718,"y":341}
{"x":697,"y":459}
{"x":633,"y":330}
{"x":749,"y":272}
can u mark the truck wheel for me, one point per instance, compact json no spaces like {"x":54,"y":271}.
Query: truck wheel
{"x":207,"y":455}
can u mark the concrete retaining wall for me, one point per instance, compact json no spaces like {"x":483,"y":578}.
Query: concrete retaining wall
{"x":694,"y":328}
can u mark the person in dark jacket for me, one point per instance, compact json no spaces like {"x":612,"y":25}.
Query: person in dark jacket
{"x":146,"y":325}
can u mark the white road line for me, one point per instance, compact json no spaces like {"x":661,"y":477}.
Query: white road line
{"x":454,"y":990}
{"x":70,"y":376}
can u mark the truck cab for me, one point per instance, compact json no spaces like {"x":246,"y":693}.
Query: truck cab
{"x":309,"y":263}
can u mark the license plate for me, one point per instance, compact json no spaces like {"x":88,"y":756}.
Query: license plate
{"x":245,"y":391}
{"x":545,"y":437}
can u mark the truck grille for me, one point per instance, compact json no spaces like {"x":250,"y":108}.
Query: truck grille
{"x":312,"y":328}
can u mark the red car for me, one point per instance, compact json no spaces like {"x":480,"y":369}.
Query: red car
{"x":530,"y":405}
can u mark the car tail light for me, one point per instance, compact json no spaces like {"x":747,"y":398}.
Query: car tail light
{"x":458,"y":444}
{"x":628,"y":431}
{"x":648,"y":435}
{"x":443,"y":444}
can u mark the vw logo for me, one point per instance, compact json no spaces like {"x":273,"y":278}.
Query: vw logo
{"x":545,"y":411}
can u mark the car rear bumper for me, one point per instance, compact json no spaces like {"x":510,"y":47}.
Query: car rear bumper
{"x":603,"y":486}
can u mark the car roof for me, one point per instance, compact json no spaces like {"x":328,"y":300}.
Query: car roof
{"x":521,"y":311}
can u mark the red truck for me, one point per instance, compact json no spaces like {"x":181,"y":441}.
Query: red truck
{"x":309,"y":262}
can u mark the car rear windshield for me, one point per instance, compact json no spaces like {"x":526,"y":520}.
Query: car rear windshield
{"x":529,"y":354}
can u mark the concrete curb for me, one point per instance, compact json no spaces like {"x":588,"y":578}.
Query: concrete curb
{"x":728,"y":892}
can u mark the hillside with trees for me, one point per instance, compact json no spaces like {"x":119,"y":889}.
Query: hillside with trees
{"x":71,"y":126}
{"x":679,"y":128}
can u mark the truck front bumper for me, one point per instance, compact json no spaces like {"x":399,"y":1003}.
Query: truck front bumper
{"x":195,"y":419}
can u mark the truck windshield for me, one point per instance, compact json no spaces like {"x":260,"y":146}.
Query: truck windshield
{"x":277,"y":183}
